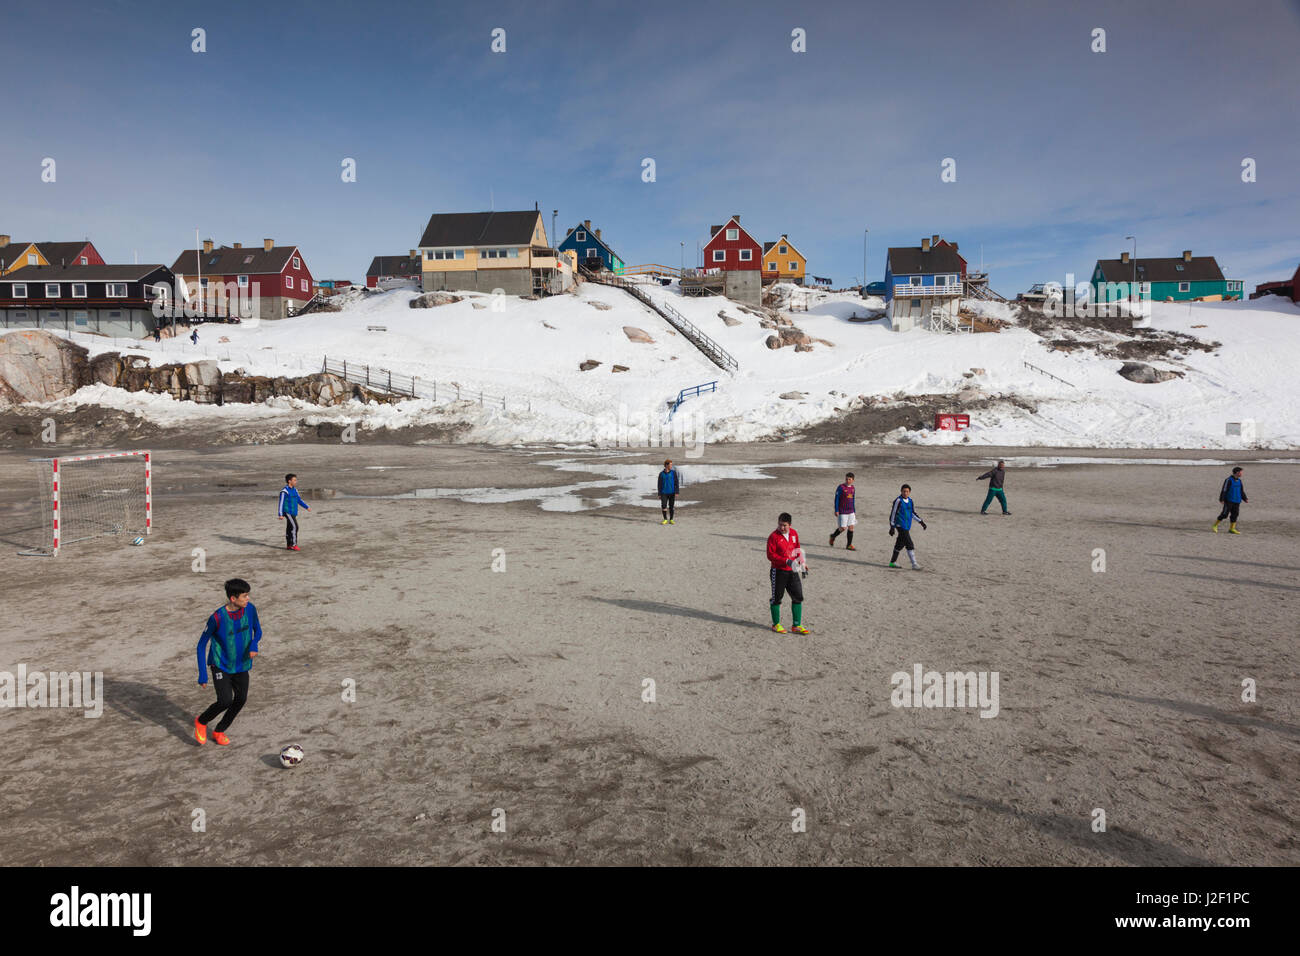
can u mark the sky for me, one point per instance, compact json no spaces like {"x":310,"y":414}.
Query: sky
{"x":1059,"y":151}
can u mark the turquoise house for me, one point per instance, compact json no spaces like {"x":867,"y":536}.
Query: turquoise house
{"x":1184,"y":279}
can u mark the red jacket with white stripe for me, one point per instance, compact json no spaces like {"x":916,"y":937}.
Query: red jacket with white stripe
{"x":780,"y":551}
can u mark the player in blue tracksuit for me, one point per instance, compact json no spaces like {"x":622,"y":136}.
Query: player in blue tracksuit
{"x":227,"y":647}
{"x":289,"y":502}
{"x":670,"y":483}
{"x":1232,"y":494}
{"x":900,"y":525}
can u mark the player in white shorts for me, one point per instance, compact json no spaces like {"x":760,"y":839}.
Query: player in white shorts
{"x":846,"y":515}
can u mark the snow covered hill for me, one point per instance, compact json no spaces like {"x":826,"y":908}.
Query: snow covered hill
{"x":529,"y":352}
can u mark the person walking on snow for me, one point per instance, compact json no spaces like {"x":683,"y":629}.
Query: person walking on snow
{"x":1232,"y":494}
{"x":996,"y":476}
{"x":787,"y":572}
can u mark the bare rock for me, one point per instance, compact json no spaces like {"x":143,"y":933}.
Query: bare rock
{"x":588,"y":365}
{"x":793,"y":396}
{"x":637,"y":335}
{"x":602,"y":306}
{"x":1146,"y":374}
{"x":478,"y":305}
{"x":38,"y":366}
{"x":430,"y":300}
{"x":803,"y":348}
{"x":731,"y":322}
{"x":619,"y":368}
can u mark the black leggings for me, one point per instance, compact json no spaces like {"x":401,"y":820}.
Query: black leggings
{"x":232,"y":694}
{"x":902,"y":539}
{"x":667,"y":503}
{"x":1230,"y":508}
{"x":290,"y":530}
{"x":784,"y":580}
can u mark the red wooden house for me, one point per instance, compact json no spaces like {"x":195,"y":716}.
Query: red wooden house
{"x":731,"y":249}
{"x":936,"y":242}
{"x":79,"y":253}
{"x":275,"y":278}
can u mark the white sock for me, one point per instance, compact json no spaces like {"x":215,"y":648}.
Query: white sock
{"x":911,"y":556}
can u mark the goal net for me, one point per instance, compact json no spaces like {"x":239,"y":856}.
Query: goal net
{"x":90,"y":496}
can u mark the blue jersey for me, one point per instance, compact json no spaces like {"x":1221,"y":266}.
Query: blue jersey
{"x":228,"y":642}
{"x":1233,"y":490}
{"x":289,"y":501}
{"x":670,"y":482}
{"x":844,"y":503}
{"x":902,"y":513}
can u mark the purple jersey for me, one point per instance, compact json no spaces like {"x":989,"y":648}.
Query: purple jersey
{"x":844,"y":500}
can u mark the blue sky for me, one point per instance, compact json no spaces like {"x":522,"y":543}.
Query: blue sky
{"x":1060,"y":152}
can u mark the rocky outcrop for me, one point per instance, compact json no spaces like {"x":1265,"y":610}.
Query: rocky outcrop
{"x":588,"y":365}
{"x":637,"y":335}
{"x":37,"y":366}
{"x":431,"y":300}
{"x":1145,"y":374}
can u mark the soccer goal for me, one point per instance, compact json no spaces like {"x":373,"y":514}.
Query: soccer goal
{"x":89,"y":496}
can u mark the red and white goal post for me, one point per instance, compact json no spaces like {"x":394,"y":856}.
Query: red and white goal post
{"x":88,"y":496}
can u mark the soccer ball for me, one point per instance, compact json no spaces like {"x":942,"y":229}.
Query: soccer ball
{"x":137,"y":541}
{"x":291,"y":756}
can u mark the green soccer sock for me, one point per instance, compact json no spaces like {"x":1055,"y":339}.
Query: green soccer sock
{"x":776,"y":613}
{"x":798,"y":613}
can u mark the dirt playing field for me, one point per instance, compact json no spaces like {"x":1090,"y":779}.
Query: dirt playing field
{"x":522,"y":690}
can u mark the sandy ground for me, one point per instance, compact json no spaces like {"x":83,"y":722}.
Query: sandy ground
{"x":522,"y":690}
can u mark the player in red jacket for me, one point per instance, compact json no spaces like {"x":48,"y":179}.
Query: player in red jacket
{"x":788,"y":570}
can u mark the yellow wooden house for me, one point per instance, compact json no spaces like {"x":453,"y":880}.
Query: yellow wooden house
{"x":782,"y":262}
{"x":15,"y":255}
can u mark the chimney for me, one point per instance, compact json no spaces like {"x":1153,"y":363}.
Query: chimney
{"x":207,"y":245}
{"x":1123,"y":258}
{"x":925,"y":245}
{"x":934,"y":241}
{"x":587,"y":223}
{"x":597,"y":233}
{"x":268,"y":245}
{"x":239,"y":245}
{"x":954,"y":246}
{"x":4,"y":241}
{"x":413,"y":255}
{"x":737,"y":218}
{"x":1187,"y":255}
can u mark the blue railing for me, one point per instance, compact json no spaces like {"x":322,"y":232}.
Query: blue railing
{"x":686,"y":393}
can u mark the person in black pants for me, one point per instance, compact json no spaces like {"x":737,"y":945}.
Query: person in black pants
{"x":1232,"y":494}
{"x":670,"y":483}
{"x":227,"y":648}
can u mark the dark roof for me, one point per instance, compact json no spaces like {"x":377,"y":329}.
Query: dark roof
{"x":458,"y":229}
{"x":591,"y":237}
{"x":58,"y":253}
{"x":910,"y":260}
{"x":767,"y":246}
{"x":1197,"y":269}
{"x":14,"y":249}
{"x":128,"y":272}
{"x":230,"y":261}
{"x":393,"y":266}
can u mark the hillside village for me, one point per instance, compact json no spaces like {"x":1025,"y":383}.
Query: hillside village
{"x":488,"y":322}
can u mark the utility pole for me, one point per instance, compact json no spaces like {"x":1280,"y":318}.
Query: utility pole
{"x":864,"y":260}
{"x":683,"y":265}
{"x":1132,"y":290}
{"x":555,"y":239}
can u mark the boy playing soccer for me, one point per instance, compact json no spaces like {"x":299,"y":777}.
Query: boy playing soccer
{"x":846,"y":515}
{"x":997,"y":478}
{"x":228,"y":646}
{"x":289,"y":502}
{"x":900,"y":524}
{"x":788,"y":569}
{"x":1232,"y":494}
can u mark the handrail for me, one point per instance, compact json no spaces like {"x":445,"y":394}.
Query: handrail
{"x":1047,"y":373}
{"x":383,"y":379}
{"x":686,"y":393}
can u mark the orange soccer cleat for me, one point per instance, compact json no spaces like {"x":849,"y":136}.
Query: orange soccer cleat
{"x":220,"y":738}
{"x":200,"y":732}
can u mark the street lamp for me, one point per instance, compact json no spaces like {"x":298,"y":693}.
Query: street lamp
{"x":1132,"y":289}
{"x":864,"y":260}
{"x":683,"y":266}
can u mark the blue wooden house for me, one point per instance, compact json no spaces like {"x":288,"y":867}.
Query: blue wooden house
{"x":592,"y":251}
{"x":920,"y":281}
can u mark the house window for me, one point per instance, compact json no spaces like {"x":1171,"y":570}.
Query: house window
{"x":213,"y":260}
{"x":203,"y":282}
{"x":297,"y":264}
{"x":514,"y":253}
{"x":719,"y":255}
{"x":746,"y":255}
{"x":288,"y":283}
{"x":1234,"y":286}
{"x":1184,"y":287}
{"x":115,"y":314}
{"x":793,"y":266}
{"x":784,"y":250}
{"x":78,"y":290}
{"x":940,"y":280}
{"x":242,"y":280}
{"x":916,"y":303}
{"x":733,"y":235}
{"x":81,"y":317}
{"x":771,"y":267}
{"x":304,"y":285}
{"x":52,"y":290}
{"x":247,"y":259}
{"x":593,"y":253}
{"x":115,"y":290}
{"x":1179,"y":267}
{"x":31,"y":258}
{"x":581,"y":236}
{"x":20,"y":316}
{"x":20,"y":290}
{"x":85,"y":261}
